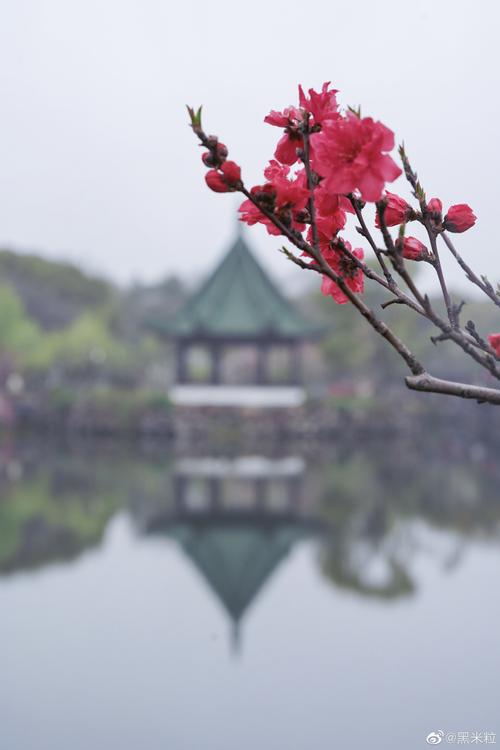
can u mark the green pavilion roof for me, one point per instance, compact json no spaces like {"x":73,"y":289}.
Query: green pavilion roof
{"x":236,"y":561}
{"x":238,"y":300}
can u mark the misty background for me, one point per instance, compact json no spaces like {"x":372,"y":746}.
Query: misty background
{"x":175,"y":576}
{"x":99,"y":167}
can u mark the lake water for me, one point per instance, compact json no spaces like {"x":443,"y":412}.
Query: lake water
{"x":301,"y":599}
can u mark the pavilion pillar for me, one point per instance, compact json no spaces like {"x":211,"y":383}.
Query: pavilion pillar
{"x":214,"y":493}
{"x":261,"y":492}
{"x":295,"y":363}
{"x":181,"y":362}
{"x":179,"y":493}
{"x":262,"y":369}
{"x":216,"y":367}
{"x":294,"y":493}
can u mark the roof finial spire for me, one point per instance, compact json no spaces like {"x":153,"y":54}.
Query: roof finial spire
{"x":239,"y":228}
{"x":235,"y":638}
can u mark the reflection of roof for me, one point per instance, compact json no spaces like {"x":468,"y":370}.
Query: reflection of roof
{"x":236,"y":560}
{"x":238,"y":300}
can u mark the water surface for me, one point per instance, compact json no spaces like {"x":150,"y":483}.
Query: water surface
{"x":288,"y":600}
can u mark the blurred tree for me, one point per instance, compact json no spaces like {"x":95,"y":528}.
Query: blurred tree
{"x":19,"y":335}
{"x":54,"y":293}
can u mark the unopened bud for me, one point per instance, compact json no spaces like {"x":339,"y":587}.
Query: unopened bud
{"x":412,"y":249}
{"x":216,"y":156}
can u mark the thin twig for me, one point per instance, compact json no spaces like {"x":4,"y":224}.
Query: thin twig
{"x":482,"y":283}
{"x":367,"y":234}
{"x":463,"y":340}
{"x":439,"y":271}
{"x":400,"y":297}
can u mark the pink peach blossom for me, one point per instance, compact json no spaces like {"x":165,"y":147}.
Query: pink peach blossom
{"x":350,"y":154}
{"x":494,"y":342}
{"x":345,"y":267}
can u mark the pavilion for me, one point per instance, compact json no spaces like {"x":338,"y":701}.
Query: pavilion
{"x":236,"y":519}
{"x":238,"y":308}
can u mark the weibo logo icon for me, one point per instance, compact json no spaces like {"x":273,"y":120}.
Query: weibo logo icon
{"x":434,"y":738}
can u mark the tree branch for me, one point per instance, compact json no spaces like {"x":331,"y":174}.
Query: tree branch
{"x":321,"y":266}
{"x":439,"y":271}
{"x":482,"y":283}
{"x":429,"y":384}
{"x":468,"y":340}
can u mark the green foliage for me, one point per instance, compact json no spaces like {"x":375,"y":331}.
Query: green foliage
{"x":59,"y":279}
{"x":36,"y":500}
{"x":64,"y":503}
{"x":71,"y":522}
{"x":123,"y":404}
{"x":87,"y":339}
{"x":108,"y":409}
{"x":19,"y":335}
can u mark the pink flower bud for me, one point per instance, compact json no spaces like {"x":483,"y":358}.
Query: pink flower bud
{"x":494,"y":342}
{"x":215,"y":181}
{"x":231,"y":172}
{"x":459,"y":218}
{"x":435,"y":206}
{"x":224,"y":180}
{"x":413,"y":249}
{"x":397,"y":211}
{"x":216,"y":156}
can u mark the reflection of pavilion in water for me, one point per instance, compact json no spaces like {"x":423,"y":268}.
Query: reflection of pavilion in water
{"x":237,"y":520}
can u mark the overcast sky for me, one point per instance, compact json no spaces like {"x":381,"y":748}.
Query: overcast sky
{"x":97,"y":164}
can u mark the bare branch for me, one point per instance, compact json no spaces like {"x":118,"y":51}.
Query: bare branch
{"x":365,"y":232}
{"x":430,"y":384}
{"x":450,"y":308}
{"x":480,"y":342}
{"x":482,"y":282}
